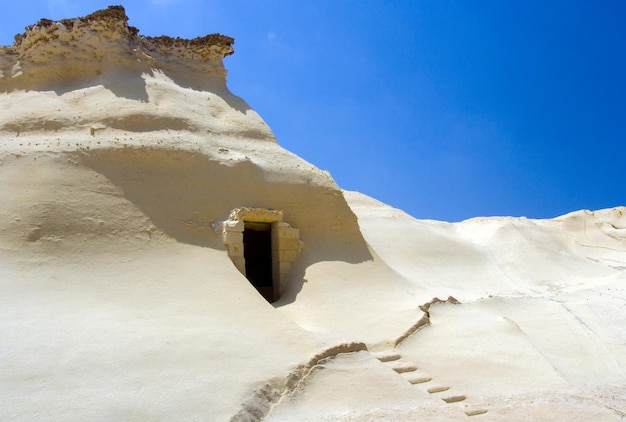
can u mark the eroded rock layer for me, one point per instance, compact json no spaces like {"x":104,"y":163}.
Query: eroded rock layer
{"x":124,"y":297}
{"x":75,"y":51}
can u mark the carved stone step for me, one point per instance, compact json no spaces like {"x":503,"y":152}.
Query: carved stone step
{"x":388,"y":357}
{"x":419,"y":380}
{"x":402,"y":368}
{"x":454,"y":399}
{"x":476,"y":412}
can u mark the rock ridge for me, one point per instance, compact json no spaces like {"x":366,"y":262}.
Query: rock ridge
{"x":70,"y":51}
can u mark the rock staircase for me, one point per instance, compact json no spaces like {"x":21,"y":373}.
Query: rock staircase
{"x":412,"y":374}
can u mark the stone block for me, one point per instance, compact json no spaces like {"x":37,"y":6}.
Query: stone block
{"x":235,"y":250}
{"x":259,"y":215}
{"x":288,"y":255}
{"x":285,"y":267}
{"x":230,"y":238}
{"x":288,"y":232}
{"x":289,"y":243}
{"x":233,"y":225}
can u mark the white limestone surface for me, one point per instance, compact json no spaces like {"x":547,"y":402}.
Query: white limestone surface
{"x":120,"y":302}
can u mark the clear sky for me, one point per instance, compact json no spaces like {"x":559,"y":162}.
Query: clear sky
{"x":445,"y":109}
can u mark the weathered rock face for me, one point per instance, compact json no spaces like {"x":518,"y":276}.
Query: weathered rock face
{"x":78,"y":51}
{"x":120,"y":156}
{"x":91,"y":96}
{"x":130,"y":177}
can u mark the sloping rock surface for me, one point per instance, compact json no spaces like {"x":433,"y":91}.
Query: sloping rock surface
{"x":119,"y":156}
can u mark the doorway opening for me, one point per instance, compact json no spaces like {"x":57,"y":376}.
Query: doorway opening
{"x":257,"y":252}
{"x":262,"y":246}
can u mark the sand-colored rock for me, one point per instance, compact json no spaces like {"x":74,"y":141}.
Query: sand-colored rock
{"x":127,"y":167}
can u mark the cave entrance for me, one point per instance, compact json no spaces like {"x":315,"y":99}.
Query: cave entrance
{"x":257,"y":252}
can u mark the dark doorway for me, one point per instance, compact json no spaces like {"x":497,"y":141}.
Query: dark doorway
{"x":257,"y":251}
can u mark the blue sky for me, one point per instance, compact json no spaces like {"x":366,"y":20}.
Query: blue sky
{"x":445,"y":109}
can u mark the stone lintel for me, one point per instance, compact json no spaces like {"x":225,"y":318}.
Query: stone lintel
{"x":258,"y":215}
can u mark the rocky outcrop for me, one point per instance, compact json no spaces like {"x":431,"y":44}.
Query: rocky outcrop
{"x":154,"y":116}
{"x":99,"y":45}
